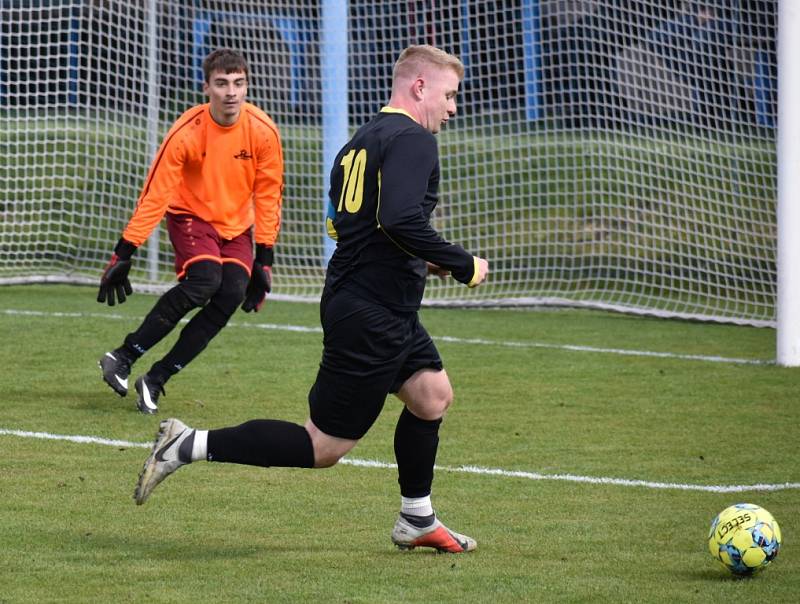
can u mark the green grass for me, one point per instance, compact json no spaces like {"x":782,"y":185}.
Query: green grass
{"x":71,"y":532}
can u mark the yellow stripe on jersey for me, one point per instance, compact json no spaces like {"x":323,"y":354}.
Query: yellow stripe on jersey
{"x":378,"y":205}
{"x":378,"y":220}
{"x":331,"y":229}
{"x":388,"y":109}
{"x":472,"y":282}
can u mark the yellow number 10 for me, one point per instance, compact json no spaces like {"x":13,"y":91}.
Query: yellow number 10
{"x":353,"y":186}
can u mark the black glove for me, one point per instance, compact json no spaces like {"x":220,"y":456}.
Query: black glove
{"x":115,"y":276}
{"x":260,"y":279}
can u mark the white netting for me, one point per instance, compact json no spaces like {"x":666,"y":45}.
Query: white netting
{"x":608,"y":154}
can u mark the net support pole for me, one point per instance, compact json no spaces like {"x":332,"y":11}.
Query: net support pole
{"x":788,"y":306}
{"x":531,"y":36}
{"x":334,"y":98}
{"x":152,"y":95}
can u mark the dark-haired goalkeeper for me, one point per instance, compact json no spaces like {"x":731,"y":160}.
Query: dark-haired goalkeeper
{"x":384,"y":185}
{"x":218,"y":177}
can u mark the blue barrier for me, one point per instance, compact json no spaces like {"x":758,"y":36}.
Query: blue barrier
{"x":531,"y":44}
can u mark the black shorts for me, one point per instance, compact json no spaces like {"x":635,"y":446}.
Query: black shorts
{"x":368,"y":352}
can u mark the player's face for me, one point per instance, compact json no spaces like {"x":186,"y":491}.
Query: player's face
{"x":440,"y":88}
{"x":226,"y":92}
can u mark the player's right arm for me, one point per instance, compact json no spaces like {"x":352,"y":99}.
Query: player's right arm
{"x":162,"y":180}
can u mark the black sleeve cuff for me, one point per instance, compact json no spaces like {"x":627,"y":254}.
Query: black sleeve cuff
{"x":264,"y":254}
{"x":124,"y":249}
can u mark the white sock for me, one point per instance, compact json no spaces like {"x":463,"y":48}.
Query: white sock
{"x":416,"y":506}
{"x":200,"y":445}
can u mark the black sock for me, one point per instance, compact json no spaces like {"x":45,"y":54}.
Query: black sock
{"x":126,"y":352}
{"x":262,"y":442}
{"x":415,"y":444}
{"x":205,"y":325}
{"x":170,"y":308}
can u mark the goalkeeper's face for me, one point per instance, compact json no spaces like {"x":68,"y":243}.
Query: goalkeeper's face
{"x":226,"y":93}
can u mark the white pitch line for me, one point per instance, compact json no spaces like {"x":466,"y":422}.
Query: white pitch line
{"x":369,"y":463}
{"x":93,"y":440}
{"x":620,"y":351}
{"x":624,"y":482}
{"x":449,"y":339}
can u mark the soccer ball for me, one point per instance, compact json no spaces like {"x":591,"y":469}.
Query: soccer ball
{"x":744,"y":538}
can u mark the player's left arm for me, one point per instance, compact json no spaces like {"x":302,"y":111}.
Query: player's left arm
{"x":267,"y":200}
{"x":268,"y":188}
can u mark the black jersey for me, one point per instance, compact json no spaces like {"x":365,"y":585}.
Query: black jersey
{"x":384,"y":186}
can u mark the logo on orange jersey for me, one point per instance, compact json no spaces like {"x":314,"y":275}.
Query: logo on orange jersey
{"x":243,"y":154}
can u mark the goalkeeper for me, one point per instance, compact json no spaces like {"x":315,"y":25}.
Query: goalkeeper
{"x":218,"y":177}
{"x":384,"y":187}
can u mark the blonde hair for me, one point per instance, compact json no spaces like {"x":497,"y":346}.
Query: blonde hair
{"x":411,"y":61}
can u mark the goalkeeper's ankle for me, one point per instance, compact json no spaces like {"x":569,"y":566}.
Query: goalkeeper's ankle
{"x":126,"y":352}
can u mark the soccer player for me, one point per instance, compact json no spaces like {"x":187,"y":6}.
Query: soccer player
{"x":218,"y":176}
{"x":384,"y":185}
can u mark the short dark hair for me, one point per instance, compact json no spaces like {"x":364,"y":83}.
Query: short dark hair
{"x":224,"y":60}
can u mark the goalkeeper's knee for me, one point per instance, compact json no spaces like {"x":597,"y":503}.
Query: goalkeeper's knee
{"x":202,"y":281}
{"x":229,"y":295}
{"x":234,"y":285}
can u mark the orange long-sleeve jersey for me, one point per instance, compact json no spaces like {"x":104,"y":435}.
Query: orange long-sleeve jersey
{"x":231,"y":177}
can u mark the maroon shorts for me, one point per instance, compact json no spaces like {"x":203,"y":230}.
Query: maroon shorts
{"x":195,"y":240}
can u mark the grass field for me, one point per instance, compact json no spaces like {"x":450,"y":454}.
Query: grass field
{"x":683,"y":416}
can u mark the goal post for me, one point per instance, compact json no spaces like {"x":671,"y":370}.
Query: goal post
{"x":610,"y":155}
{"x":152,"y":95}
{"x":788,"y":221}
{"x":335,"y":113}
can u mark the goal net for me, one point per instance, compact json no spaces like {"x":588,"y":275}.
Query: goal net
{"x":614,"y":155}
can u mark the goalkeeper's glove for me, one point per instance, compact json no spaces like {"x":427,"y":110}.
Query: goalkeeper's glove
{"x":260,"y":279}
{"x":115,"y":282}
